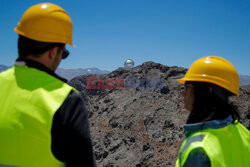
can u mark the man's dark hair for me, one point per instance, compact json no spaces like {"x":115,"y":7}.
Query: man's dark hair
{"x":211,"y":105}
{"x":35,"y":48}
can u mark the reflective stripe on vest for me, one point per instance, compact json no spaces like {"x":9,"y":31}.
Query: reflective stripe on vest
{"x":227,"y":146}
{"x":197,"y":138}
{"x":28,"y":101}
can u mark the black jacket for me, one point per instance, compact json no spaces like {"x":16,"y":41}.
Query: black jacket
{"x":71,"y":140}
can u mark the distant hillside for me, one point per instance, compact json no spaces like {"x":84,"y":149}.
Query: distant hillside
{"x":244,"y":80}
{"x":72,"y":73}
{"x":3,"y":68}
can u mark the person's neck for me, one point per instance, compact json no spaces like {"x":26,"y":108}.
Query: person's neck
{"x":39,"y":66}
{"x":41,"y":60}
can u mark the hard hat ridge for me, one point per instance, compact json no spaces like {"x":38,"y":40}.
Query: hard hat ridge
{"x":46,"y":22}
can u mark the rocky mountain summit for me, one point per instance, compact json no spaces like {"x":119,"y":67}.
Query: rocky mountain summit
{"x":136,"y":114}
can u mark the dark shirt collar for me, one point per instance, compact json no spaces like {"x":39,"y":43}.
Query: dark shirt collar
{"x":39,"y":66}
{"x":214,"y":124}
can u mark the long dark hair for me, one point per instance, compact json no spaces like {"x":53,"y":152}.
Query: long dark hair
{"x":211,"y":102}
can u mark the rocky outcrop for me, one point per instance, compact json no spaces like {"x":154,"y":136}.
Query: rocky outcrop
{"x":138,"y":122}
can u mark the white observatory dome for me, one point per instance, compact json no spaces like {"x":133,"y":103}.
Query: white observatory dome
{"x":129,"y":63}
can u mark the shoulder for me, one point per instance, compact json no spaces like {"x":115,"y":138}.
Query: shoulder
{"x":72,"y":107}
{"x":197,"y":158}
{"x":192,"y":142}
{"x":73,"y":100}
{"x":192,"y":148}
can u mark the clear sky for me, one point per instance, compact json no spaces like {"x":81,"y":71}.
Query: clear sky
{"x":170,"y":32}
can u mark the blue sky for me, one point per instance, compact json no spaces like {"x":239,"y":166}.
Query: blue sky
{"x":170,"y":32}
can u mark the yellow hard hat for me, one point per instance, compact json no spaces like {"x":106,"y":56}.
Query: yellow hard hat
{"x":215,"y":70}
{"x":46,"y":22}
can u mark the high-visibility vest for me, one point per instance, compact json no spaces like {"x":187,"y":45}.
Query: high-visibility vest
{"x":225,"y":147}
{"x":29,"y":99}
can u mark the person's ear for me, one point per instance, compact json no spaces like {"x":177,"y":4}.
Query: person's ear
{"x":210,"y":90}
{"x":53,"y":53}
{"x":183,"y":93}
